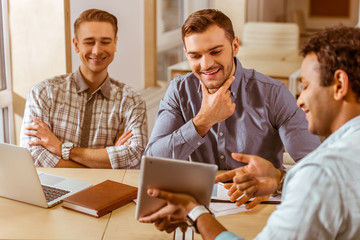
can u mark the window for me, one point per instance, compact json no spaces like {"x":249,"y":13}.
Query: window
{"x":171,"y":14}
{"x":2,"y":62}
{"x":6,"y":109}
{"x":169,"y":20}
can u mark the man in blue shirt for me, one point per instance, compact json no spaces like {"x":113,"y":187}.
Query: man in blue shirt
{"x":321,"y":194}
{"x":222,"y":108}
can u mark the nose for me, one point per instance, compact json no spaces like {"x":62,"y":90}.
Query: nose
{"x":96,"y":48}
{"x":300,"y":101}
{"x":206,"y":62}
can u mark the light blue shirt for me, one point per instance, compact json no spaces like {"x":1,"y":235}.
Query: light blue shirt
{"x":321,"y":197}
{"x":266,"y":119}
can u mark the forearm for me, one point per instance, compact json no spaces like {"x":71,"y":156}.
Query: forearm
{"x":92,"y":158}
{"x":111,"y":157}
{"x":68,"y":164}
{"x":202,"y":124}
{"x":209,"y":227}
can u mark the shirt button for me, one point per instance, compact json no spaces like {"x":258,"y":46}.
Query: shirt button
{"x":221,"y":134}
{"x":199,"y":143}
{"x":222,"y":157}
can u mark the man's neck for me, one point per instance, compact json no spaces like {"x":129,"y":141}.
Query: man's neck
{"x":93,"y":80}
{"x":348,"y":111}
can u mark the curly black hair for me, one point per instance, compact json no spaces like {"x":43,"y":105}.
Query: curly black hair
{"x":336,"y":48}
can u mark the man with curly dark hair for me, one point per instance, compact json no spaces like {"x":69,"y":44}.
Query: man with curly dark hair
{"x":321,"y":194}
{"x":337,"y":49}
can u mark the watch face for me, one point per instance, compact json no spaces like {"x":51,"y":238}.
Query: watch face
{"x":189,"y":221}
{"x":68,"y":144}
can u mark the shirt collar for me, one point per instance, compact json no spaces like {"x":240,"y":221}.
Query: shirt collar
{"x":81,"y":85}
{"x":348,"y":127}
{"x":239,"y":71}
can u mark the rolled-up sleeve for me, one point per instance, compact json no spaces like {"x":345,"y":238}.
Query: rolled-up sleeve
{"x":37,"y":107}
{"x":136,"y":120}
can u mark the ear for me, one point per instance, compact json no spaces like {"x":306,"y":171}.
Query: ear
{"x":235,"y":46}
{"x":341,"y":87}
{"x":186,"y":55}
{"x":116,"y":39}
{"x":75,"y":42}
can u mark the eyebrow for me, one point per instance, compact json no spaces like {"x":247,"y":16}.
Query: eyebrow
{"x":103,"y":38}
{"x":208,"y":50}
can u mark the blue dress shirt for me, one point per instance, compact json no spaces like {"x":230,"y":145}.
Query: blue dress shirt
{"x":265,"y":120}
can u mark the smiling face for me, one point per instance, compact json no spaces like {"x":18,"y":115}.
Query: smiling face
{"x":96,"y":45}
{"x":211,"y":56}
{"x":316,"y":101}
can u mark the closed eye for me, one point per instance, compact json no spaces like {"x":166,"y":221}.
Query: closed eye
{"x":194,"y":56}
{"x":215,"y":52}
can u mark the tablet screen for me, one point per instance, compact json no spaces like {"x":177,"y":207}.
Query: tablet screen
{"x":195,"y":179}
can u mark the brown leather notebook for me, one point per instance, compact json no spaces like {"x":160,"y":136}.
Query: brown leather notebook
{"x":101,"y":198}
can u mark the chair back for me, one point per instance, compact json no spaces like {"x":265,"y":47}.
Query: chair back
{"x":271,"y":34}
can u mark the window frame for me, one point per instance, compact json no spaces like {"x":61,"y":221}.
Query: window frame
{"x":6,"y":98}
{"x":169,"y":40}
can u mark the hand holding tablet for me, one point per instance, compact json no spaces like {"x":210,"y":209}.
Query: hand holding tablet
{"x":195,"y":179}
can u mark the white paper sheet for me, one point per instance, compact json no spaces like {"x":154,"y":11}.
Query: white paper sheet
{"x":227,"y":207}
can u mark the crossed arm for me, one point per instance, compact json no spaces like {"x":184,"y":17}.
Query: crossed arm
{"x":80,"y":157}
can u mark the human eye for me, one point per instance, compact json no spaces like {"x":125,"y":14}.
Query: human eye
{"x":304,"y":85}
{"x":89,"y":42}
{"x":216,"y":52}
{"x":194,"y":56}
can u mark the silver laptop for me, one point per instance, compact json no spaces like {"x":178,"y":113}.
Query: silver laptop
{"x":196,"y":179}
{"x":20,"y":181}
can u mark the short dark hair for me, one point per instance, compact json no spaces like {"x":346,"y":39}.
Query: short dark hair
{"x":337,"y":48}
{"x":95,"y":15}
{"x":200,"y":21}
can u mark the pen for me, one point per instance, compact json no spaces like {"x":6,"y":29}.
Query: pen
{"x":228,"y":201}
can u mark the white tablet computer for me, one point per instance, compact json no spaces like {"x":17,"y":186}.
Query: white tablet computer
{"x":196,"y":179}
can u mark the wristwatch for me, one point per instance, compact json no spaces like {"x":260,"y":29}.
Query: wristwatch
{"x":65,"y":152}
{"x":281,"y":183}
{"x":194,"y":214}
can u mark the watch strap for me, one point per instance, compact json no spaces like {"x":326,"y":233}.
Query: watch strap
{"x":65,"y":150}
{"x":281,"y":183}
{"x":195,"y":213}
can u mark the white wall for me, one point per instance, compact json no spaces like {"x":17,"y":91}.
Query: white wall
{"x":236,"y":11}
{"x":128,"y":65}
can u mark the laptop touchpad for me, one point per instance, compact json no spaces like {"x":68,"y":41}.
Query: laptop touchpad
{"x":49,"y":179}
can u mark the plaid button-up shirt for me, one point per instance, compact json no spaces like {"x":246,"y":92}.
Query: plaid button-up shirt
{"x":61,"y":103}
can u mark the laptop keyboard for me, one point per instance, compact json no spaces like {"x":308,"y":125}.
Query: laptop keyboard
{"x":52,"y":193}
